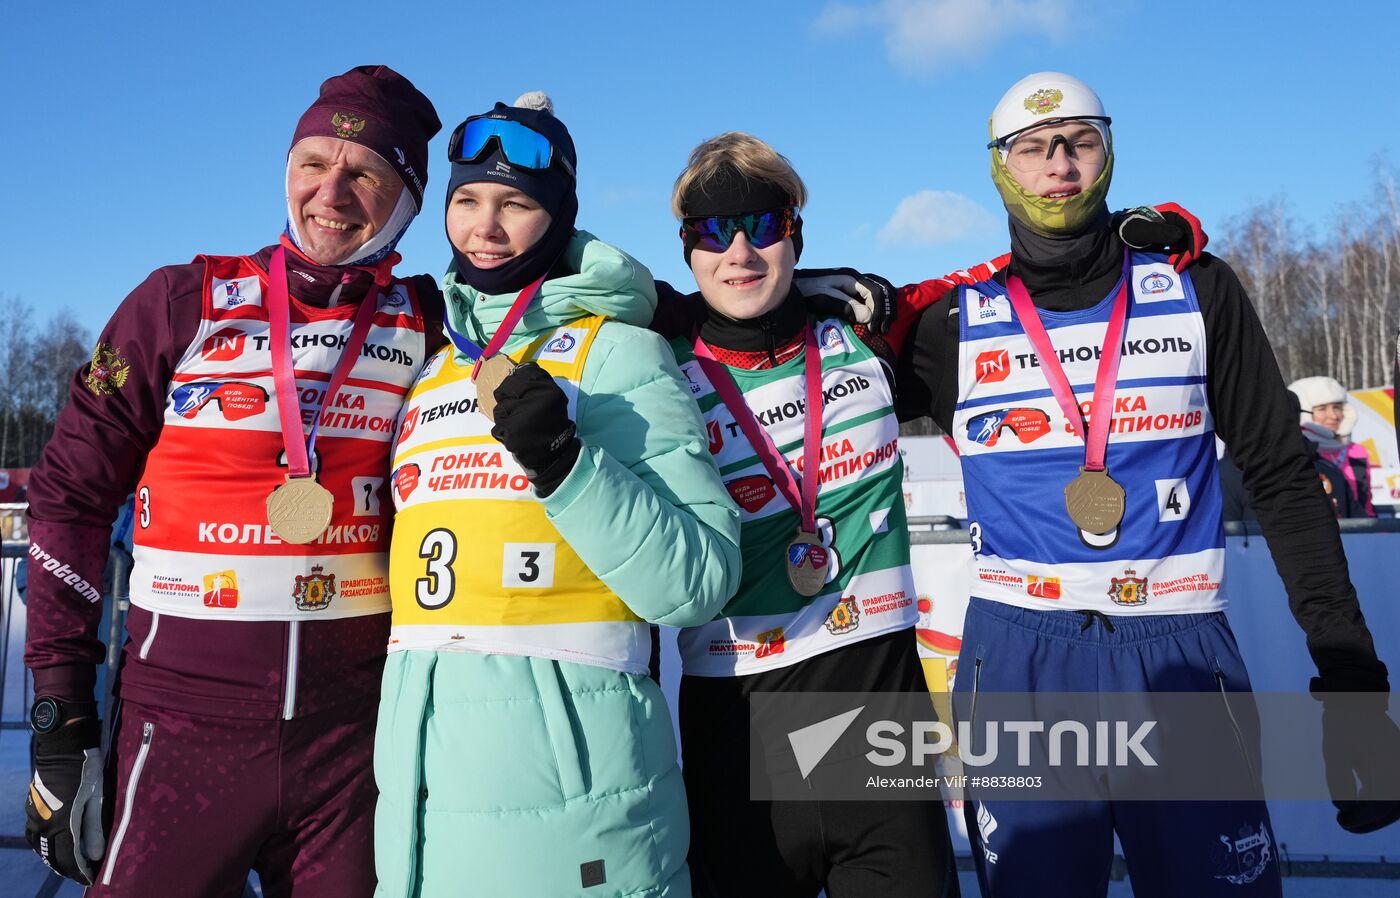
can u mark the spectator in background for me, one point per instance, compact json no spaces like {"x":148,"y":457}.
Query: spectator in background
{"x":1327,"y":420}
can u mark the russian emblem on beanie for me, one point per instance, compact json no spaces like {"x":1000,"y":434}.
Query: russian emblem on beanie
{"x":375,"y":106}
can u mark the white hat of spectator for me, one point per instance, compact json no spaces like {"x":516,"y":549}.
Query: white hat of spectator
{"x":1323,"y":390}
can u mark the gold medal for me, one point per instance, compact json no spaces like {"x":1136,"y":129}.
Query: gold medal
{"x":808,"y":563}
{"x":1095,"y":502}
{"x":488,"y":378}
{"x":299,"y":510}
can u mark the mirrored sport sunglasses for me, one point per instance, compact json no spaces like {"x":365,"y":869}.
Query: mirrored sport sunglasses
{"x":714,"y":233}
{"x":520,"y":145}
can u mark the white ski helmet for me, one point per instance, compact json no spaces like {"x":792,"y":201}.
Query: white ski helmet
{"x":1044,"y":98}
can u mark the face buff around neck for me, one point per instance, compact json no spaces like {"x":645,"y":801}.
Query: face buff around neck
{"x":1050,"y":217}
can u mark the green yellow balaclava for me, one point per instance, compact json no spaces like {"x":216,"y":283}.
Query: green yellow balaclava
{"x":1039,"y":99}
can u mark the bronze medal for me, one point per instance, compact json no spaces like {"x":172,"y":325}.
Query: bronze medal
{"x":488,"y":378}
{"x":299,"y":510}
{"x":1095,"y":502}
{"x":808,"y":563}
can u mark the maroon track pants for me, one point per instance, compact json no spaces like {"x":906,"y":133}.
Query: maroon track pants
{"x":194,"y":802}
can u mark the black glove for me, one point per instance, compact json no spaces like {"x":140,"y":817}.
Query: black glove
{"x":532,"y":422}
{"x":63,"y":811}
{"x":1168,"y":227}
{"x":866,"y":299}
{"x":1360,"y":745}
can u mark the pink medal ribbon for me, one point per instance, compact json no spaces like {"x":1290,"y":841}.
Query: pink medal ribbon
{"x":516,"y":311}
{"x":299,"y":450}
{"x":490,"y":367}
{"x":1095,"y":501}
{"x":807,"y":559}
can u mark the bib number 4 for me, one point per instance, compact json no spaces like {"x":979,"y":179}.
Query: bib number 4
{"x":1173,"y":500}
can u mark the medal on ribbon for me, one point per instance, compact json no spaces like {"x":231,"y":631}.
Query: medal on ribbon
{"x":489,"y":375}
{"x":299,"y":510}
{"x":808,"y":563}
{"x":1094,"y":501}
{"x":491,"y":366}
{"x":806,"y":560}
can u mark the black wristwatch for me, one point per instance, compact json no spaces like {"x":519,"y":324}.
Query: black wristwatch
{"x":48,"y":713}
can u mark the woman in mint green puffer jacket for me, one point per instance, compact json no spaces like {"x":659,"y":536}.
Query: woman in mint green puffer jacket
{"x":522,"y":749}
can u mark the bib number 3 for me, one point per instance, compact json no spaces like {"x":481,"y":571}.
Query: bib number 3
{"x":528,"y":566}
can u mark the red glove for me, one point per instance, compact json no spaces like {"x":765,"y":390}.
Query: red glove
{"x":1199,"y":238}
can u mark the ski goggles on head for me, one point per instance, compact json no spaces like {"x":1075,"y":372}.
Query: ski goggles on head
{"x":1029,"y":425}
{"x":520,"y":145}
{"x":715,"y":233}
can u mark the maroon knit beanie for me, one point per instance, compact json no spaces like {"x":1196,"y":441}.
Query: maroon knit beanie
{"x":375,"y":106}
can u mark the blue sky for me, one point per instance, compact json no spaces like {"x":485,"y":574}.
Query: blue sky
{"x":140,"y":134}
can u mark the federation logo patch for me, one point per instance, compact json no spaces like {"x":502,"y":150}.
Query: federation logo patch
{"x":1044,"y":101}
{"x":108,"y":370}
{"x":1154,"y":284}
{"x":314,"y":591}
{"x":1128,"y":590}
{"x":221,"y":590}
{"x":989,"y":309}
{"x":562,"y":343}
{"x":844,"y":618}
{"x":347,"y":125}
{"x":689,"y":371}
{"x":833,"y":339}
{"x":396,"y":298}
{"x":232,"y":294}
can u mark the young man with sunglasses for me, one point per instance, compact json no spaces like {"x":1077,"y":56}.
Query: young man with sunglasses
{"x":800,"y":414}
{"x":248,"y":687}
{"x":553,"y":497}
{"x":738,"y":201}
{"x":1114,"y":373}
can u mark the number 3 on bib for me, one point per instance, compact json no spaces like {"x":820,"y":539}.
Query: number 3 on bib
{"x":439,"y":550}
{"x":528,"y":566}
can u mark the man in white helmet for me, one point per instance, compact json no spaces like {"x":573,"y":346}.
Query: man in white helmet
{"x":1109,"y":491}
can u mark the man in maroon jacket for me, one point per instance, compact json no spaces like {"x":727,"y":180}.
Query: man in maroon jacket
{"x":249,"y":402}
